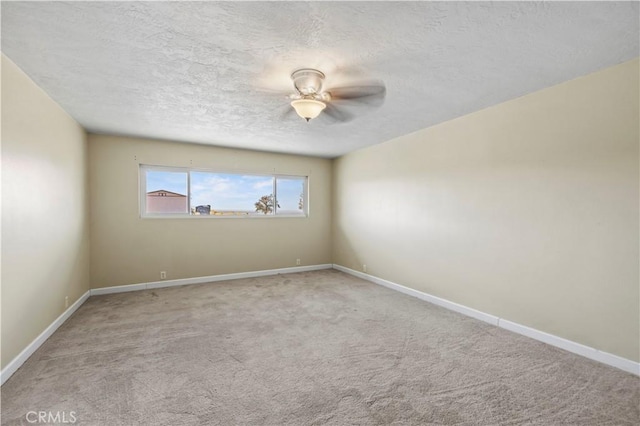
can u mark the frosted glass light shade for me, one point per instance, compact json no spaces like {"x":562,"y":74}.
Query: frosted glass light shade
{"x":308,"y":108}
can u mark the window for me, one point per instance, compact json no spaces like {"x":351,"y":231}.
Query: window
{"x":173,"y":191}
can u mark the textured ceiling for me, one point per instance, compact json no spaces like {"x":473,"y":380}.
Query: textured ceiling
{"x":199,"y":71}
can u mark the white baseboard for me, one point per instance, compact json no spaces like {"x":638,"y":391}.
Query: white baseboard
{"x":15,"y":363}
{"x":571,"y":346}
{"x":491,"y":319}
{"x":568,"y":345}
{"x":207,"y":279}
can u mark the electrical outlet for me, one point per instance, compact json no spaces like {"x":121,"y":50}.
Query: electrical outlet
{"x":163,"y":275}
{"x":298,"y":262}
{"x":66,"y":301}
{"x":364,"y":268}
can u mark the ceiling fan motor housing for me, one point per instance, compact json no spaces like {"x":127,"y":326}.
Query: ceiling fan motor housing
{"x":308,"y":81}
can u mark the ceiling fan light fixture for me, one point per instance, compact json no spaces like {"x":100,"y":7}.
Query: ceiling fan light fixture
{"x":308,"y":108}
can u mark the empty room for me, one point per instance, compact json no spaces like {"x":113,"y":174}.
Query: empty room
{"x":310,"y":213}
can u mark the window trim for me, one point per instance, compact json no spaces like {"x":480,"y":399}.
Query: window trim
{"x":142,"y":193}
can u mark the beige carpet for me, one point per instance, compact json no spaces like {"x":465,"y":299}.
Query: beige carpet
{"x":305,"y":349}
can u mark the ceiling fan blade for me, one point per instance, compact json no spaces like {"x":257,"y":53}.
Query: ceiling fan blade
{"x":287,"y":113}
{"x":372,"y":93}
{"x":333,"y":114}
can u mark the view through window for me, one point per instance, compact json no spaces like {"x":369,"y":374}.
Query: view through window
{"x":174,"y":191}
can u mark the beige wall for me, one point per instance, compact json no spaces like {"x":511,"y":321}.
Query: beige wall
{"x":527,"y":210}
{"x":45,"y":233}
{"x":126,"y":249}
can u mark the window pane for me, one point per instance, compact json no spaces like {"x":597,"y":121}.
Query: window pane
{"x":231,"y":195}
{"x":166,"y":192}
{"x":291,"y":197}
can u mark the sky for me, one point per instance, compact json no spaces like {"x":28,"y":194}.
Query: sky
{"x":227,"y":191}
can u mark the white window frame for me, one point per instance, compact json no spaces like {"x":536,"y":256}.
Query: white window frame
{"x":142,"y":190}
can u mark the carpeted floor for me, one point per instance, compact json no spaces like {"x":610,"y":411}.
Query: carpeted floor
{"x":305,"y":349}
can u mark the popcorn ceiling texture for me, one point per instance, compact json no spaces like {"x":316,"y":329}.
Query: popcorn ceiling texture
{"x":311,"y":348}
{"x":203,"y":71}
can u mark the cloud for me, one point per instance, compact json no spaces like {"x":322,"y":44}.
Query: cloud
{"x":263,"y":184}
{"x":212,"y":182}
{"x":223,"y":191}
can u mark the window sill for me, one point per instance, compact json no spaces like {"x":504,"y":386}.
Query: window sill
{"x":216,"y":217}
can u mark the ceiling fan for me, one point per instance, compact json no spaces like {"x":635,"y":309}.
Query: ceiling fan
{"x":310,"y":100}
